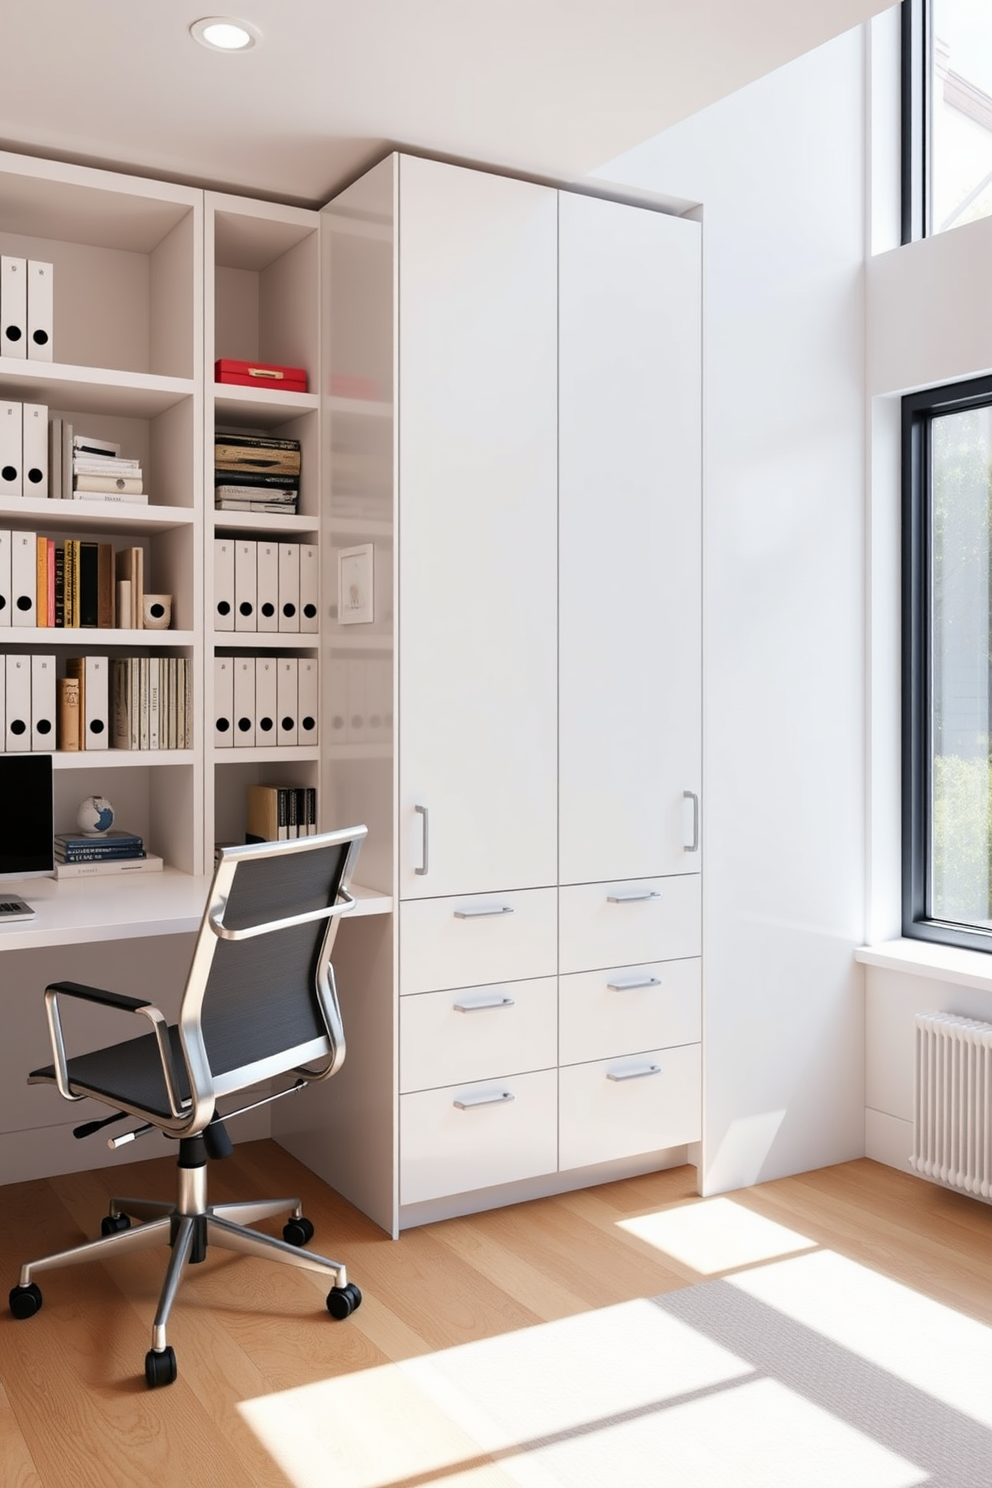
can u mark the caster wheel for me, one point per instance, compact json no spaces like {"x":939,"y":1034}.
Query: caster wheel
{"x":297,"y":1231}
{"x":342,"y":1301}
{"x":160,"y":1369}
{"x":114,"y":1224}
{"x":25,"y":1301}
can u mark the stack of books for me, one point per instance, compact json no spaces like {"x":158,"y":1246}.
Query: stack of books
{"x":78,"y":856}
{"x":253,"y":473}
{"x":82,"y":467}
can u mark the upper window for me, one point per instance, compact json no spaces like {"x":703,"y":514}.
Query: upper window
{"x":947,"y":661}
{"x":947,"y":114}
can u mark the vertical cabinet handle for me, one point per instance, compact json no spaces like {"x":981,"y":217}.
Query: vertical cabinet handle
{"x":693,"y":846}
{"x":425,"y":853}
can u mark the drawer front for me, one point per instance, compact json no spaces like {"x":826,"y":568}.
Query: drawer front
{"x":477,"y":940}
{"x":478,"y":1033}
{"x":630,"y":922}
{"x":502,"y":1131}
{"x":602,"y":1119}
{"x":603,"y":1014}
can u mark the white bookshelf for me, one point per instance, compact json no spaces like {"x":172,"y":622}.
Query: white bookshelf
{"x":127,"y":365}
{"x":262,"y":304}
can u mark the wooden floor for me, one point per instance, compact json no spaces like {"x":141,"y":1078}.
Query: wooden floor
{"x":74,"y":1408}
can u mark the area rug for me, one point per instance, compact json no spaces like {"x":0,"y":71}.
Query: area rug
{"x":811,"y":1372}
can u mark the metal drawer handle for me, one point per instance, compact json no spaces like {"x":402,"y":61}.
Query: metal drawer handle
{"x":482,"y":1002}
{"x":425,"y":860}
{"x":483,"y":1098}
{"x":629,"y":983}
{"x":632,"y":896}
{"x":693,"y":846}
{"x":482,"y":910}
{"x":636,"y":1073}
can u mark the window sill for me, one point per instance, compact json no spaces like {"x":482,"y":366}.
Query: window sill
{"x":941,"y":963}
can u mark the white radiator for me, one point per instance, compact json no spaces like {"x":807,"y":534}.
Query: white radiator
{"x":952,"y":1122}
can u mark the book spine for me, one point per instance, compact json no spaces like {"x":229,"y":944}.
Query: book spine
{"x":88,"y":585}
{"x":67,"y":717}
{"x":41,"y":581}
{"x":151,"y":864}
{"x":60,"y":585}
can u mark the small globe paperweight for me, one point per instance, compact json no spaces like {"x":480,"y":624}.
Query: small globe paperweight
{"x":95,"y":816}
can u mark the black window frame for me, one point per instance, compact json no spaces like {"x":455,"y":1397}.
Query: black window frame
{"x":917,"y":102}
{"x":918,"y":411}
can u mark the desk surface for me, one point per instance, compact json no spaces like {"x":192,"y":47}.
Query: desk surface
{"x":73,"y":911}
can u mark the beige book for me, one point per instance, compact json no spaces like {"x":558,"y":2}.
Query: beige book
{"x":67,"y":722}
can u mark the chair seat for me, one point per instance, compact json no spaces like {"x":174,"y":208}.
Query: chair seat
{"x":130,"y":1072}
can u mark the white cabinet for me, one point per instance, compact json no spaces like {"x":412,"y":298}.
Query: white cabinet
{"x":629,"y":577}
{"x":512,"y":388}
{"x":477,"y":633}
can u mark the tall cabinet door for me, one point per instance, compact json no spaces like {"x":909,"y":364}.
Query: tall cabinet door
{"x":477,"y":596}
{"x":630,"y":438}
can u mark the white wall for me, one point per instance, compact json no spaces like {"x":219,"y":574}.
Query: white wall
{"x":780,"y":171}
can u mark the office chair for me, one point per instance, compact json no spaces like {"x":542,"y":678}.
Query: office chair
{"x":260,"y":1001}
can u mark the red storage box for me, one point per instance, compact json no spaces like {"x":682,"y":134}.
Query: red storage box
{"x":261,"y":374}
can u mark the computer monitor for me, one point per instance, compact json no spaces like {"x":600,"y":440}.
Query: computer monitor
{"x":26,"y":816}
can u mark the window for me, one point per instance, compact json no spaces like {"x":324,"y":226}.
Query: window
{"x":947,"y":664}
{"x":947,"y":114}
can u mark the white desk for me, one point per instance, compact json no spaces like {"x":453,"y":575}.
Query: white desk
{"x":80,"y":911}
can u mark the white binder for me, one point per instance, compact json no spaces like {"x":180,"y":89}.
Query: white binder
{"x":5,"y":603}
{"x":24,"y":578}
{"x":13,"y":306}
{"x":378,"y":684}
{"x":357,"y":731}
{"x":266,"y":697}
{"x":11,"y":447}
{"x":41,"y":277}
{"x":337,"y":701}
{"x":223,"y":702}
{"x":43,"y":703}
{"x":309,"y":588}
{"x":245,"y":585}
{"x":268,"y":586}
{"x":286,"y":700}
{"x":3,"y":703}
{"x":289,"y":586}
{"x":244,"y":702}
{"x":34,"y":449}
{"x":307,"y":707}
{"x":17,"y":735}
{"x":224,"y":583}
{"x":96,"y":703}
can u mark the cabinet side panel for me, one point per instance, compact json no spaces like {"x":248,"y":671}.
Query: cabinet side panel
{"x":477,"y":564}
{"x":630,"y":539}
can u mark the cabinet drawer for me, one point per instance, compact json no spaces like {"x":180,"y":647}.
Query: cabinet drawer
{"x":630,"y":922}
{"x":503,"y":1131}
{"x":603,"y":1118}
{"x":603,"y":1014}
{"x":478,"y":1033}
{"x":477,"y":939}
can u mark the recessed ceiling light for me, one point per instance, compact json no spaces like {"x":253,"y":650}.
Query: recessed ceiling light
{"x":224,"y":34}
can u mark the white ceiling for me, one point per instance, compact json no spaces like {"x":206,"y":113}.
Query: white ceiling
{"x":550,"y":88}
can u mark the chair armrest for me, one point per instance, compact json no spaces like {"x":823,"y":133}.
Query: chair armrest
{"x":97,"y":994}
{"x":123,"y":1004}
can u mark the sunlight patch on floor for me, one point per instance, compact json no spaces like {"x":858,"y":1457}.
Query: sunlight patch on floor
{"x":716,"y":1235}
{"x":929,"y":1346}
{"x":583,"y":1402}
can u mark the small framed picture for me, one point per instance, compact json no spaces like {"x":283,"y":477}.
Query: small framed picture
{"x":356,"y":601}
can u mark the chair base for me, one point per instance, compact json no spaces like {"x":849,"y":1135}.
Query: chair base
{"x":189,"y":1227}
